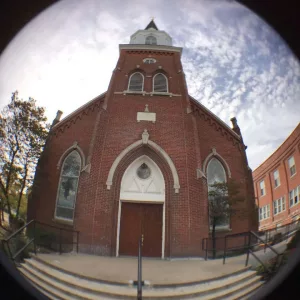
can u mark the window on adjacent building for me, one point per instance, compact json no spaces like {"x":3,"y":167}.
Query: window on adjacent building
{"x":151,"y":40}
{"x":264,"y":212}
{"x":216,"y":174}
{"x":276,"y":178}
{"x":279,"y":205}
{"x":68,"y":184}
{"x":262,"y":188}
{"x":292,"y":165}
{"x":160,"y":83}
{"x":294,"y":196}
{"x":136,"y":82}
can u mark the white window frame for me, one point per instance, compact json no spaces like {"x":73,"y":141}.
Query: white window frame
{"x":279,"y":205}
{"x":58,"y":189}
{"x":294,"y":194}
{"x":154,"y":81}
{"x":149,"y":60}
{"x":225,"y":226}
{"x":130,"y":80}
{"x":276,"y":178}
{"x":291,"y":166}
{"x":264,"y":212}
{"x":262,"y":189}
{"x":151,"y":36}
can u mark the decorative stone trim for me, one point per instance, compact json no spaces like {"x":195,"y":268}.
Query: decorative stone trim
{"x":147,"y":93}
{"x":200,"y":174}
{"x":146,"y":141}
{"x":218,"y":156}
{"x":75,"y":146}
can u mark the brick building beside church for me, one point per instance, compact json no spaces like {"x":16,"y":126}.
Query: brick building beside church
{"x":277,"y":184}
{"x":138,"y":160}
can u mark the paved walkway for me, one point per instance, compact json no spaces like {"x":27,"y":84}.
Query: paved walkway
{"x":154,"y":270}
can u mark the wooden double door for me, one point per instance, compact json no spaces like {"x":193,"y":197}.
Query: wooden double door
{"x":139,"y":219}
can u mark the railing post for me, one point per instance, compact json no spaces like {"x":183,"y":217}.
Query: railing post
{"x":267,"y":240}
{"x":77,"y":239}
{"x":206,"y":248}
{"x":60,"y":241}
{"x":225,"y":246}
{"x":139,"y":285}
{"x":34,"y":237}
{"x":248,"y":248}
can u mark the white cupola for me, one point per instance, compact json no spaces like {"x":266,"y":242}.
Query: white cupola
{"x":151,"y":36}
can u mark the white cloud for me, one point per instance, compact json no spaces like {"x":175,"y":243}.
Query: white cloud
{"x":234,"y":63}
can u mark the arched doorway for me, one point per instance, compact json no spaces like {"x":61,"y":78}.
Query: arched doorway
{"x":142,"y":209}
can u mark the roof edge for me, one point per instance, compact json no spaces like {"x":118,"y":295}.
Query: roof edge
{"x":277,"y":149}
{"x":72,"y":114}
{"x":201,"y":106}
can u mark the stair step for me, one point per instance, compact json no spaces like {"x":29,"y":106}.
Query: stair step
{"x":53,"y":292}
{"x":84,"y":285}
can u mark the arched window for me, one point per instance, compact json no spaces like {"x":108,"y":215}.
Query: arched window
{"x":136,"y":82}
{"x":151,"y":40}
{"x":160,"y":83}
{"x":68,"y":184}
{"x":218,"y":205}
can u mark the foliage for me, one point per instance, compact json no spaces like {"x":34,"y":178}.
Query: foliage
{"x":223,"y":200}
{"x":23,"y":132}
{"x":295,"y":241}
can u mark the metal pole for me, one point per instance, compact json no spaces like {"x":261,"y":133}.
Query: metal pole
{"x":139,"y":287}
{"x":34,"y":237}
{"x":225,"y":245}
{"x":77,"y":241}
{"x":59,"y":240}
{"x":248,"y":250}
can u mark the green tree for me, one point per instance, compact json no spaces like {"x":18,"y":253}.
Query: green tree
{"x":23,"y":132}
{"x":223,"y":204}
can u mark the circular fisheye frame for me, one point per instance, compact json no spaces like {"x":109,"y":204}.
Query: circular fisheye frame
{"x":143,"y":172}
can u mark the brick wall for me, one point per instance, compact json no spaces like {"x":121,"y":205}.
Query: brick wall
{"x":105,"y":131}
{"x":279,"y":161}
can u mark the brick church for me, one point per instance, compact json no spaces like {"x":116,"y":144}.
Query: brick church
{"x":138,"y":160}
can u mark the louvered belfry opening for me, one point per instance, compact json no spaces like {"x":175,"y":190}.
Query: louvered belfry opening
{"x":160,"y":83}
{"x":136,"y":82}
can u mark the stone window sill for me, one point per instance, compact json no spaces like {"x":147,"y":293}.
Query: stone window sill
{"x":222,"y":229}
{"x":63,"y":221}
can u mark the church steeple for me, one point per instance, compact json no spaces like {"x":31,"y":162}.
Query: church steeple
{"x":151,"y":25}
{"x":151,"y":35}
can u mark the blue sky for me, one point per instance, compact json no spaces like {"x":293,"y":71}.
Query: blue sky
{"x":235,"y":64}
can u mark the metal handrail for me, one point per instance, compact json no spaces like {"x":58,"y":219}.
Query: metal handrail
{"x":266,"y":233}
{"x":33,"y":240}
{"x":139,"y":281}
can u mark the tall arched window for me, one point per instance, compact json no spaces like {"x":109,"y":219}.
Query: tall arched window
{"x":160,"y":83}
{"x":136,"y":82}
{"x":218,"y":207}
{"x":68,"y":184}
{"x":151,"y":40}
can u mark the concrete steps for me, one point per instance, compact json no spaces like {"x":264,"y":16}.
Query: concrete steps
{"x":57,"y":283}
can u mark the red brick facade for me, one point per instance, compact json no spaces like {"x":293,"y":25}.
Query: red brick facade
{"x":107,"y":125}
{"x":265,"y":172}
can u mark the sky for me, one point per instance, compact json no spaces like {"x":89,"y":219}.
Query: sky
{"x":235,"y":64}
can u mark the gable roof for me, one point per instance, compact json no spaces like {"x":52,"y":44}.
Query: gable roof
{"x":198,"y":106}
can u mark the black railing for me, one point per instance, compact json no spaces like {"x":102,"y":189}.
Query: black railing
{"x":267,"y":237}
{"x":32,"y":234}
